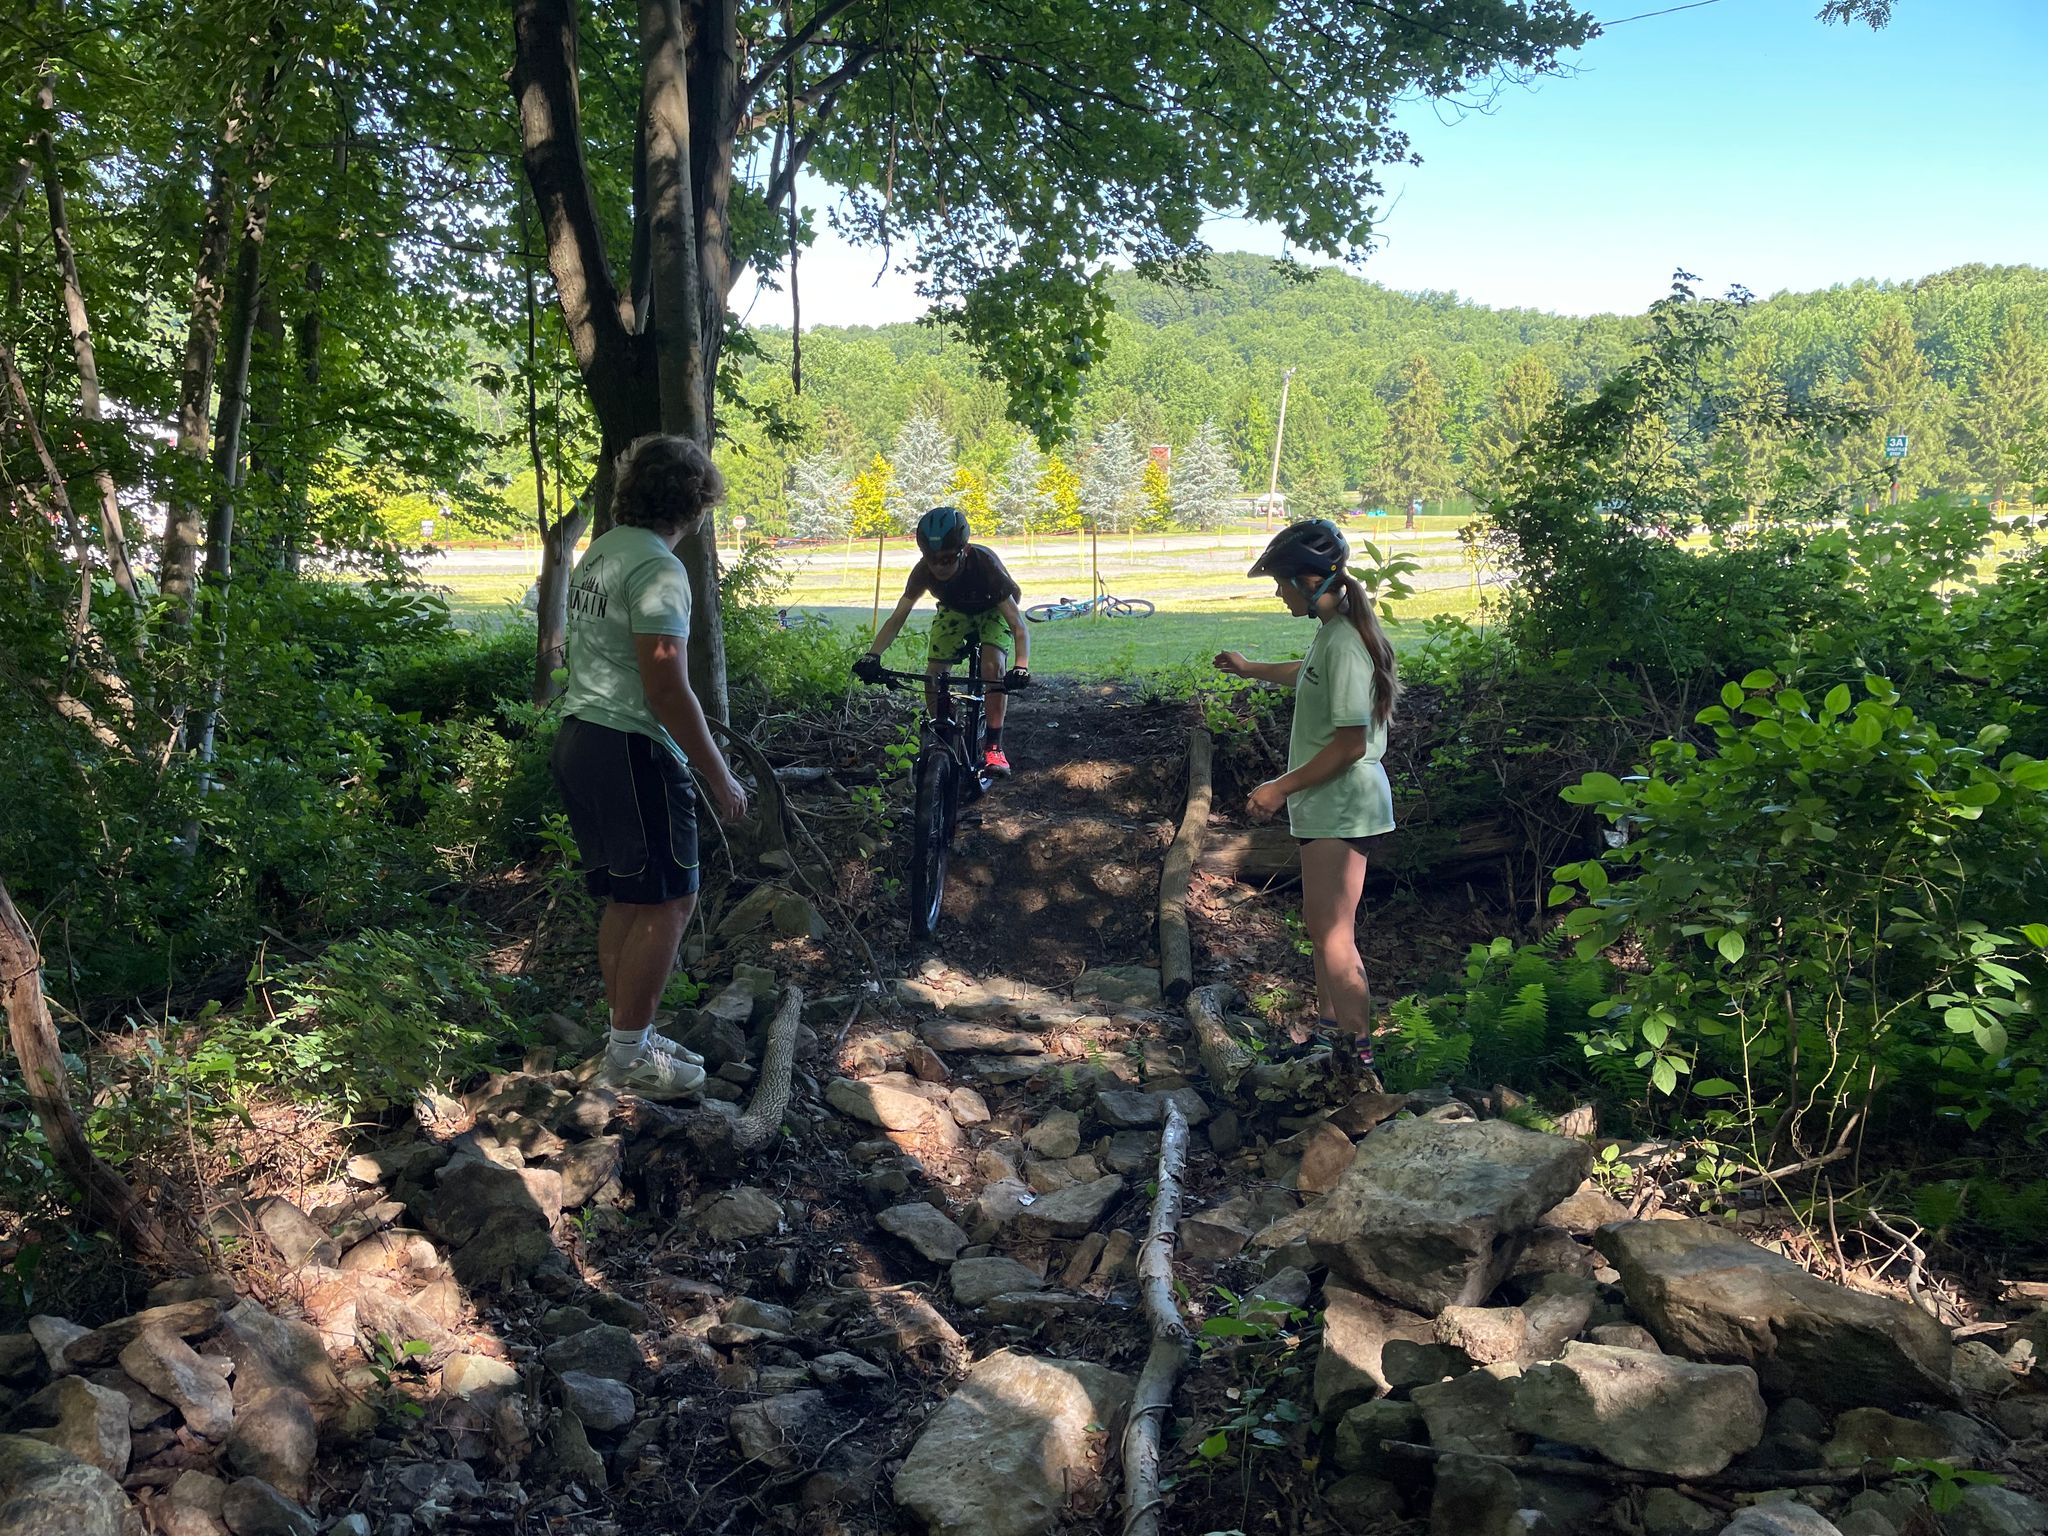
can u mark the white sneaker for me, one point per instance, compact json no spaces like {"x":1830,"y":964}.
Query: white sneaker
{"x":657,"y":1041}
{"x":654,"y":1075}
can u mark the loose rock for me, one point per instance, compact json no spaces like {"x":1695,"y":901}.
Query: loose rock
{"x":975,"y":1282}
{"x":931,"y":1232}
{"x":1431,"y":1215}
{"x":1356,"y":1331}
{"x":1474,"y":1498}
{"x":740,"y":1213}
{"x":600,"y":1402}
{"x":1782,"y":1518}
{"x":1071,"y":1212}
{"x":251,"y":1507}
{"x":1707,"y":1294}
{"x":169,"y":1367}
{"x":84,"y":1420}
{"x":1058,"y":1135}
{"x":44,"y":1490}
{"x":1651,"y":1412}
{"x":600,"y":1351}
{"x":275,"y":1439}
{"x":1486,"y":1335}
{"x":773,"y":1432}
{"x":1473,"y":1412}
{"x":1360,"y":1432}
{"x":1326,"y":1152}
{"x":1986,"y":1511}
{"x":1013,"y":1444}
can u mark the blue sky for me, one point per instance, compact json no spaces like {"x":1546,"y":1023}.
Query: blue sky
{"x":1741,"y":140}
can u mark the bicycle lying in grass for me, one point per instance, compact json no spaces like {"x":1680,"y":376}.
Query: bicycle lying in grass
{"x":1101,"y":603}
{"x":951,"y":771}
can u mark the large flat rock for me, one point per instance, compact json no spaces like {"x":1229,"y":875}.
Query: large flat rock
{"x":1655,"y":1413}
{"x":1706,"y":1293}
{"x":1012,"y":1446}
{"x":1432,"y":1215}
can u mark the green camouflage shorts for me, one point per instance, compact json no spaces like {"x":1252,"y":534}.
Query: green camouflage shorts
{"x":956,"y":636}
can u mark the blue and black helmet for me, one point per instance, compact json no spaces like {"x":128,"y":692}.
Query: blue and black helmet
{"x":943,"y":530}
{"x":1314,"y":547}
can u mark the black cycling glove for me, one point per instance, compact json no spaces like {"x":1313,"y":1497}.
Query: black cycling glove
{"x":868,"y":668}
{"x":1015,"y":678}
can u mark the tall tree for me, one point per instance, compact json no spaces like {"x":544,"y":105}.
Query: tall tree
{"x":1900,"y":397}
{"x":1418,"y":462}
{"x":2006,"y":421}
{"x":1204,"y":480}
{"x":871,"y":497}
{"x":1023,"y":151}
{"x":1113,"y":478}
{"x":820,"y":498}
{"x":1019,"y":501}
{"x":1527,"y":390}
{"x":922,"y":461}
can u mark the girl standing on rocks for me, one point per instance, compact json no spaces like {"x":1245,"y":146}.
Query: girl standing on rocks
{"x":1334,"y":790}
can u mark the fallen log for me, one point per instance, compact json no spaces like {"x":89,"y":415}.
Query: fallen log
{"x":1176,"y":950}
{"x":1171,"y":1343}
{"x":718,"y":1141}
{"x":1224,"y":1059}
{"x":1738,"y":1479}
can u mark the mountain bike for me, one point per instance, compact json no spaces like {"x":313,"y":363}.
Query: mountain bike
{"x":1101,"y":603}
{"x":951,"y":771}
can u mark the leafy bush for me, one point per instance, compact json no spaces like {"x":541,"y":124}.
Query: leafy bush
{"x":374,"y":1020}
{"x":767,"y":665}
{"x":1516,"y":1018}
{"x":1840,"y":909}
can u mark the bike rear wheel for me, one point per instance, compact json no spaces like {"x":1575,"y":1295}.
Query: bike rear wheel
{"x":931,"y":836}
{"x":1038,"y":613}
{"x":1128,"y":608}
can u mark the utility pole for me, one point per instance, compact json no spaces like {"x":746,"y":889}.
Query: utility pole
{"x":1280,"y":431}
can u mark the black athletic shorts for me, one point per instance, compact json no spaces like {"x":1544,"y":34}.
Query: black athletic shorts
{"x":633,"y":810}
{"x":1365,"y":845}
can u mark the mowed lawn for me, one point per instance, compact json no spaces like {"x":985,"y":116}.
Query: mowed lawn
{"x":1206,"y":604}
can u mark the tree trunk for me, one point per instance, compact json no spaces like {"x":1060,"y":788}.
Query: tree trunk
{"x":227,"y":463}
{"x":558,"y":539}
{"x":112,"y":533}
{"x":184,"y":521}
{"x":107,"y":1197}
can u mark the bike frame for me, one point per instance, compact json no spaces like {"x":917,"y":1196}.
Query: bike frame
{"x":942,"y":727}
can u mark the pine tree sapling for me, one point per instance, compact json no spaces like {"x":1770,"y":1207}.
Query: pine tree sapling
{"x":1204,"y":480}
{"x":820,"y":499}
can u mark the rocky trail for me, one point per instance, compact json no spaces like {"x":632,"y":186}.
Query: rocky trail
{"x":915,"y":1307}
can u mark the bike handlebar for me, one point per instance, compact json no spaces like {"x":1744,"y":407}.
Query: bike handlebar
{"x":945,"y":681}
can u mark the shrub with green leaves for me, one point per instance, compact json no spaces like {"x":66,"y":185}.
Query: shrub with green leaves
{"x":374,"y":1020}
{"x":1842,"y":910}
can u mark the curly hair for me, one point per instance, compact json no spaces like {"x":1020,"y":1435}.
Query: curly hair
{"x":665,"y":483}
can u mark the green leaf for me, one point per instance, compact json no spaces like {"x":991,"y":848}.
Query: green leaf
{"x":1792,"y":701}
{"x":2027,"y":772}
{"x":1602,"y":786}
{"x":2036,"y":934}
{"x":1732,"y":695}
{"x":1656,"y":1031}
{"x":1732,"y":946}
{"x":1837,"y":701}
{"x":1560,"y":894}
{"x":1713,"y":1088}
{"x":1214,"y":1446}
{"x":1866,"y":732}
{"x":1664,"y":1076}
{"x":1233,"y":1328}
{"x":1762,"y":677}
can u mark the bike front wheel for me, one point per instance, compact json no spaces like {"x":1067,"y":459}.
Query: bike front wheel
{"x":1128,"y":608}
{"x":931,"y":829}
{"x":1038,"y":613}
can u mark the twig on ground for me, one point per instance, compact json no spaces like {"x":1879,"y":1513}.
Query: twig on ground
{"x":1170,"y":1341}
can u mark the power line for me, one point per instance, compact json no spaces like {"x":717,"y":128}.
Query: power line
{"x":1669,"y":10}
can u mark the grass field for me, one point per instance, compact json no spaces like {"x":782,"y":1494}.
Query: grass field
{"x":1206,"y":603}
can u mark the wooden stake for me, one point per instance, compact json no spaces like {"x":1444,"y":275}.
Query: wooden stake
{"x":875,"y":623}
{"x":1176,"y":948}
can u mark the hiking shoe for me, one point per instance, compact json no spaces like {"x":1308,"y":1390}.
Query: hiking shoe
{"x":657,"y":1041}
{"x":997,"y":763}
{"x":655,"y":1076}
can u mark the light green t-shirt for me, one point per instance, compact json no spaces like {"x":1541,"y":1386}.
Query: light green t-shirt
{"x":628,"y":583}
{"x":1335,"y":689}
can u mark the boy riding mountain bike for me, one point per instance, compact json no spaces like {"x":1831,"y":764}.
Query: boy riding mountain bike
{"x":977,"y":599}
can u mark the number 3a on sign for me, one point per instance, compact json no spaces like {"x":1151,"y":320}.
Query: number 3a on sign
{"x":1895,"y":446}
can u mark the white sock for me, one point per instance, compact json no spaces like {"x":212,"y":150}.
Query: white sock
{"x":624,"y":1046}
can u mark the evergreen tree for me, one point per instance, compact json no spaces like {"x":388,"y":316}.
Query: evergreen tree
{"x":1526,"y":391}
{"x":1204,"y":480}
{"x":1893,"y":384}
{"x":1311,"y":469}
{"x":1112,"y":478}
{"x":871,"y":497}
{"x":2006,"y":424}
{"x":1020,"y":501}
{"x":1418,"y":464}
{"x":923,"y":464}
{"x":820,"y":499}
